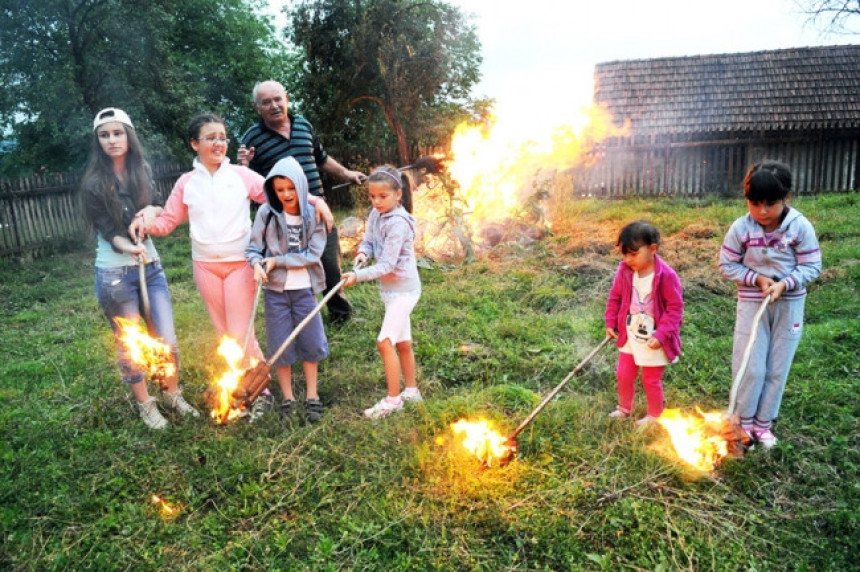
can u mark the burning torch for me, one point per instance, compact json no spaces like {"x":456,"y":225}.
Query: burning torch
{"x":255,"y":379}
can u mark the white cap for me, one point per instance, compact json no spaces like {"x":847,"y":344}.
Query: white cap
{"x":109,"y":114}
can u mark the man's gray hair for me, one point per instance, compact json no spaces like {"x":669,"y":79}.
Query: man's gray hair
{"x":259,"y":83}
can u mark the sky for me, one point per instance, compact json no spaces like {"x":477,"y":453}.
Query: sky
{"x":539,"y":55}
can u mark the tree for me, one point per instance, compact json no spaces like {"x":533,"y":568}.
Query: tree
{"x":836,"y":15}
{"x":382,"y":70}
{"x":162,"y":61}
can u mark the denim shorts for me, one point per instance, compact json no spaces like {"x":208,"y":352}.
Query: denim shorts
{"x":284,"y":311}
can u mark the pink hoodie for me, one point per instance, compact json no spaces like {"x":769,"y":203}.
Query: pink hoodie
{"x":668,"y":306}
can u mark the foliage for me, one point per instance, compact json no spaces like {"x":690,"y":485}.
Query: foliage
{"x":838,"y":16}
{"x":162,"y":62}
{"x":385,"y":71}
{"x":586,"y":493}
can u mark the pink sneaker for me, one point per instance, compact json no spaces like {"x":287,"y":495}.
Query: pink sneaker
{"x":765,"y":437}
{"x":645,"y":421}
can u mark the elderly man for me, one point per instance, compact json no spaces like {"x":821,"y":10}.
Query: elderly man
{"x":279,"y":134}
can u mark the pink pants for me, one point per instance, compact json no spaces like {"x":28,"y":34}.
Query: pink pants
{"x":228,"y":290}
{"x":651,"y":381}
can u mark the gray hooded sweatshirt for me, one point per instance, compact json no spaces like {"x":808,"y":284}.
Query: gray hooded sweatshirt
{"x":388,"y":238}
{"x":270,"y":232}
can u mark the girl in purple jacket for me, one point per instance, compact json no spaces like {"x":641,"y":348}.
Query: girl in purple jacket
{"x":643,"y":313}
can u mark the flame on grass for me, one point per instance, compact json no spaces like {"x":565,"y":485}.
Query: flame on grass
{"x":150,"y":354}
{"x":697,"y":438}
{"x":221,"y":390}
{"x":482,"y":440}
{"x":165,"y":507}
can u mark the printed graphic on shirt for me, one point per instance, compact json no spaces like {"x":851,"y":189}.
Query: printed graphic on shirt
{"x":640,"y":320}
{"x":294,"y":233}
{"x":640,"y":327}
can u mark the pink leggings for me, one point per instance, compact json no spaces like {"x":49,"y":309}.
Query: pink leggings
{"x":651,"y":380}
{"x":228,"y":290}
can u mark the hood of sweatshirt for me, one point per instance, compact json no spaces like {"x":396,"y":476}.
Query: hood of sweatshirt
{"x":287,"y":167}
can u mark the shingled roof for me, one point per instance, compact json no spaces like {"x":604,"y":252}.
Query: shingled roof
{"x":792,"y":89}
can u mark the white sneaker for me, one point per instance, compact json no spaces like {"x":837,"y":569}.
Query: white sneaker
{"x":262,"y":405}
{"x":151,"y":415}
{"x":412,"y":394}
{"x":175,"y":401}
{"x":619,"y":414}
{"x":646,"y":421}
{"x":383,"y":408}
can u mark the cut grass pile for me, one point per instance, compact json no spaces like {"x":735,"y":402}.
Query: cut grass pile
{"x":492,"y":337}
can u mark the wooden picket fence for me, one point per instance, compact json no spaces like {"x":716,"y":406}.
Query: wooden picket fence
{"x":40,"y":212}
{"x":706,"y":168}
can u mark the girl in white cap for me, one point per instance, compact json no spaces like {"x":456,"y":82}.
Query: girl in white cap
{"x":116,"y":186}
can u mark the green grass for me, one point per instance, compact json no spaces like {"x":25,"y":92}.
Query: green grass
{"x":79,"y":467}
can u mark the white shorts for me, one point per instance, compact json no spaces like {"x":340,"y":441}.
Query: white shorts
{"x":396,"y":325}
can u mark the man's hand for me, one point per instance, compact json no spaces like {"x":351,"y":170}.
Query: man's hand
{"x":324,"y":213}
{"x":245,"y":155}
{"x":354,"y":177}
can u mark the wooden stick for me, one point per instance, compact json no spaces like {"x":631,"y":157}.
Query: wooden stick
{"x":746,"y":357}
{"x":558,"y":388}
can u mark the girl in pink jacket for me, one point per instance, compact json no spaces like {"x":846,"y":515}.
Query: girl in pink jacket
{"x":643,"y":313}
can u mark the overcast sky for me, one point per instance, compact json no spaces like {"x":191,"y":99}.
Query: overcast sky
{"x":532,"y":47}
{"x":540,"y":54}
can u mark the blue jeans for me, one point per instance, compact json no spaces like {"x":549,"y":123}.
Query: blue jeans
{"x":118,"y":292}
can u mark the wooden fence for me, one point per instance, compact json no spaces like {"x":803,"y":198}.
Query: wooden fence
{"x":702,"y":168}
{"x":42,"y":211}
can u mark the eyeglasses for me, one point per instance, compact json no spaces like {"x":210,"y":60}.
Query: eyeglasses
{"x":213,"y":140}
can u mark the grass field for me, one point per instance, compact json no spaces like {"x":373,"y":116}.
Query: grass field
{"x":79,"y":468}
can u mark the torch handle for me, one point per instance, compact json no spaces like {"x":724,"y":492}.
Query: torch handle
{"x":298,"y":329}
{"x":250,"y":331}
{"x":558,"y":388}
{"x":745,"y":360}
{"x":144,"y":295}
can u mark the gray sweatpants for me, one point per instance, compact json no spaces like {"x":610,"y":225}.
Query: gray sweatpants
{"x":760,"y":391}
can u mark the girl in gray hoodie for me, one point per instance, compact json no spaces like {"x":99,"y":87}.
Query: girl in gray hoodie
{"x":388,"y":238}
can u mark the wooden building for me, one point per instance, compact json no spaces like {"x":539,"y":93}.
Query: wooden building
{"x":695,"y":124}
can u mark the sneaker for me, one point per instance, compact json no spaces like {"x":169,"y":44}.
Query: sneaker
{"x":412,"y":394}
{"x":314,"y":410}
{"x":620,"y":413}
{"x":175,"y":401}
{"x":151,"y":415}
{"x":765,"y":437}
{"x":285,"y":409}
{"x":262,"y":405}
{"x":645,"y":421}
{"x":383,"y":409}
